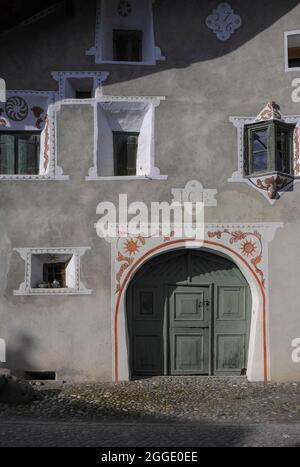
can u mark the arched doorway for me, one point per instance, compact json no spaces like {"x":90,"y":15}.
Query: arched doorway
{"x":188,"y":312}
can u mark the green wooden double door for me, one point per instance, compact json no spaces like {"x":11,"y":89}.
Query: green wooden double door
{"x":188,"y":314}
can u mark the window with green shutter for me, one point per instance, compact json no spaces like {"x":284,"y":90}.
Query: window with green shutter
{"x":19,"y":153}
{"x":268,"y":148}
{"x":125,"y":152}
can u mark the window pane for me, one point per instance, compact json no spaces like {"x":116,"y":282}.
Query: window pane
{"x":28,"y":154}
{"x":7,"y":154}
{"x":125,"y":153}
{"x":127,"y":45}
{"x":260,"y":140}
{"x":132,"y":144}
{"x":54,"y":271}
{"x":283,"y":150}
{"x":259,"y":150}
{"x":260,"y":161}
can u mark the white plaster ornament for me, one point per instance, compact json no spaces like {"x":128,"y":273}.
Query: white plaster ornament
{"x":223,"y":21}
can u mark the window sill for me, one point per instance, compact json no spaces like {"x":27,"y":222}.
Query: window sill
{"x":288,"y":69}
{"x":268,"y":173}
{"x":33,"y":178}
{"x":115,"y":62}
{"x":43,"y":292}
{"x":126,"y":178}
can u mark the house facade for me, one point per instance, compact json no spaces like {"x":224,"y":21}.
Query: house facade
{"x":156,"y":102}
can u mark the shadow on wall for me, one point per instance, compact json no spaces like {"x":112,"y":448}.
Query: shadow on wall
{"x":191,"y":41}
{"x":19,"y":354}
{"x":180,"y":32}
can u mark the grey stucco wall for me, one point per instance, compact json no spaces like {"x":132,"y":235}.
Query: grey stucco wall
{"x":204,"y":81}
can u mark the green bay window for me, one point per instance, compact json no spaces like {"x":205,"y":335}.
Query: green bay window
{"x":268,"y":148}
{"x":125,"y":152}
{"x":19,"y":153}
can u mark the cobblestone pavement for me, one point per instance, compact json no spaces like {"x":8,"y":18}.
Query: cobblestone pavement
{"x":165,"y":399}
{"x":91,"y":434}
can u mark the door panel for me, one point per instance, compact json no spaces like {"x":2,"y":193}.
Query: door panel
{"x":231,"y":303}
{"x":189,"y":351}
{"x":188,"y":312}
{"x":147,"y":334}
{"x":230,"y":352}
{"x":148,"y":350}
{"x":230,"y":330}
{"x":189,"y":324}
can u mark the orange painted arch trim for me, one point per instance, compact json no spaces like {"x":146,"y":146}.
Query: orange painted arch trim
{"x":175,"y":242}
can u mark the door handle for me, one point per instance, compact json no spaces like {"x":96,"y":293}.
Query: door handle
{"x":202,"y":303}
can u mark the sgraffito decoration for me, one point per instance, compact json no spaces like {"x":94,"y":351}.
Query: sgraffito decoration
{"x":223,"y":21}
{"x":249,"y":244}
{"x":270,"y":112}
{"x":37,"y":112}
{"x":124,"y":8}
{"x":128,"y":250}
{"x":245,"y":244}
{"x":29,"y":111}
{"x":16,"y":108}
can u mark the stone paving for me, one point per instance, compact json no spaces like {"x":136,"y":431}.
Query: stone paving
{"x":91,"y":434}
{"x":164,"y":400}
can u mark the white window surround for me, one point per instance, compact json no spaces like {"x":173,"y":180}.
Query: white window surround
{"x":74,"y":254}
{"x":135,"y":113}
{"x":283,"y":182}
{"x":287,"y":35}
{"x":65,"y":80}
{"x":37,"y":117}
{"x":107,"y":18}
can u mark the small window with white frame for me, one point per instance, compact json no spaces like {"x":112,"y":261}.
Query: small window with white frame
{"x":51,"y":271}
{"x":125,"y":33}
{"x":292,"y":50}
{"x":79,"y":84}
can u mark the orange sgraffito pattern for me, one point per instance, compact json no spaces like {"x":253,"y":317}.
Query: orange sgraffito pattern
{"x":46,"y":145}
{"x":250,"y":246}
{"x":297,"y":151}
{"x":126,"y":257}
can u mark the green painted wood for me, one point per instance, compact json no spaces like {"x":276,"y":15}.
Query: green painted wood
{"x":188,"y":312}
{"x":189,"y":325}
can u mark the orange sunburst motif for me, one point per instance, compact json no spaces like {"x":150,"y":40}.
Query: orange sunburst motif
{"x":131,"y":247}
{"x":249,"y":248}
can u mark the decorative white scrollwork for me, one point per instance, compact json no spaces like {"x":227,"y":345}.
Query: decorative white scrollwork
{"x":16,"y":108}
{"x":124,"y":8}
{"x":223,"y":21}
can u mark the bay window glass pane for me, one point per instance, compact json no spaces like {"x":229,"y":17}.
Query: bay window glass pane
{"x":7,"y":154}
{"x":259,"y":157}
{"x":283,"y":151}
{"x":260,"y":161}
{"x":260,"y":140}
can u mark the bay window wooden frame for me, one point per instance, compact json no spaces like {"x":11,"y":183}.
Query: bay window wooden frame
{"x":273,"y":158}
